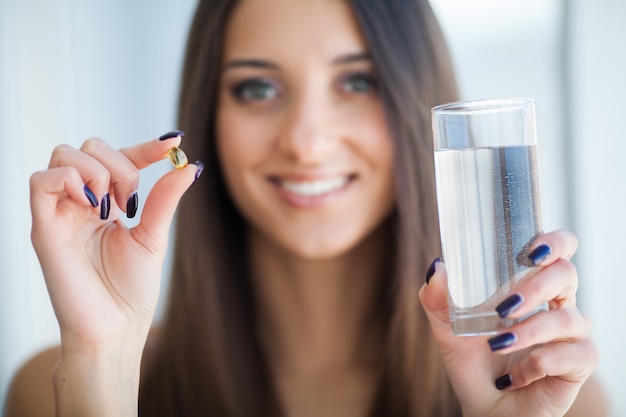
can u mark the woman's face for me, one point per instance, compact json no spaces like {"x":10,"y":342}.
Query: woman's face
{"x":301,"y":132}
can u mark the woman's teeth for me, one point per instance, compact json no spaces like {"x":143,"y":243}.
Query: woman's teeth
{"x":314,"y":188}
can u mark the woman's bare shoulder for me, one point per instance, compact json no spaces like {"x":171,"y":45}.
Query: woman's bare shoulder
{"x":31,"y":392}
{"x":591,"y":401}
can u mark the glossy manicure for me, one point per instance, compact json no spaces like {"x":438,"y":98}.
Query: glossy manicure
{"x":431,"y":270}
{"x":131,"y":205}
{"x":503,"y":382}
{"x":502,"y":341}
{"x":105,"y":207}
{"x":509,"y":305}
{"x":90,"y":196}
{"x":171,"y":134}
{"x":539,"y":254}
{"x":200,"y":166}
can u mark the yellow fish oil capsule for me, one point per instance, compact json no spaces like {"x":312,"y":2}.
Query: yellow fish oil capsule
{"x":178,"y":158}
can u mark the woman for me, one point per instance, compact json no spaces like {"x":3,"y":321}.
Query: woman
{"x":300,"y":253}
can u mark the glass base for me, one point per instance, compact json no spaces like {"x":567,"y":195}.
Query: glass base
{"x":472,"y":323}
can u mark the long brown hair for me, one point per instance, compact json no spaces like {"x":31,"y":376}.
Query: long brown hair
{"x":208,"y":360}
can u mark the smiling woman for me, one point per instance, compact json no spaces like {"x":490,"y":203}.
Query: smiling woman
{"x":302,"y":137}
{"x":303,"y":143}
{"x":299,"y":253}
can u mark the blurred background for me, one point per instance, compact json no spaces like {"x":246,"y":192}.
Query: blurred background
{"x":70,"y":70}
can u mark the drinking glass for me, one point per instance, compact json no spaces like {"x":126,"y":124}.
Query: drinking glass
{"x":488,"y":202}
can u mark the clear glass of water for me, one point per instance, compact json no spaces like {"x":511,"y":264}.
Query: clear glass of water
{"x":488,"y":202}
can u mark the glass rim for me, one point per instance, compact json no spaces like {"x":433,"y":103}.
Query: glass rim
{"x":484,"y":106}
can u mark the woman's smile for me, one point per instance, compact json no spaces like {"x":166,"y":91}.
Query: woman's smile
{"x":313,"y":192}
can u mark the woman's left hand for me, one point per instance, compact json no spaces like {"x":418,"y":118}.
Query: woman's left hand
{"x":534,"y":368}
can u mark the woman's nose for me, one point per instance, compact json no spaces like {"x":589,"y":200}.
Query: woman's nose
{"x":307,"y":135}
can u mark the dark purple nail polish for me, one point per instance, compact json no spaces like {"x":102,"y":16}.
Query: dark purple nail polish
{"x":509,"y":305}
{"x":503,"y":382}
{"x":200,"y":166}
{"x":171,"y":134}
{"x":131,"y":205}
{"x":105,"y":207}
{"x":90,"y":196}
{"x":502,"y":341}
{"x":539,"y":254}
{"x":431,"y":270}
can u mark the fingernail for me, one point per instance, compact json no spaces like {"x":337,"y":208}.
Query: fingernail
{"x":131,"y":205}
{"x":503,"y":382}
{"x":171,"y":134}
{"x":509,"y":305}
{"x":431,"y":270}
{"x":539,"y":254}
{"x":502,"y":341}
{"x":200,"y":166}
{"x":105,"y":207}
{"x":90,"y":196}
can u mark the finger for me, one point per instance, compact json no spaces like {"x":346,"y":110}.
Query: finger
{"x":570,"y":362}
{"x":552,"y":246}
{"x":50,"y":186}
{"x":161,"y":204}
{"x":147,"y":153}
{"x":566,"y":324}
{"x":556,"y":283}
{"x":95,"y":175}
{"x":124,"y":164}
{"x":124,"y":175}
{"x":434,"y":296}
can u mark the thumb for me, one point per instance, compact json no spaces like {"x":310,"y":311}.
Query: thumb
{"x":161,"y":203}
{"x":434,"y":297}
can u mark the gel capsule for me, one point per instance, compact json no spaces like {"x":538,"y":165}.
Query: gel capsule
{"x":178,"y":158}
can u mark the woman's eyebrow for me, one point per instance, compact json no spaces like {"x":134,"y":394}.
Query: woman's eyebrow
{"x":250,"y":63}
{"x":355,"y":57}
{"x":263,"y":64}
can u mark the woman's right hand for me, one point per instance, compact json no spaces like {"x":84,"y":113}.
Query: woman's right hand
{"x":103,"y":278}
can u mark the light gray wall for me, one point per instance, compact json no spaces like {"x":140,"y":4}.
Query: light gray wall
{"x":74,"y":69}
{"x":598,"y":177}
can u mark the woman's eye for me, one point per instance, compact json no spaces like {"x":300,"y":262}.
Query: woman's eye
{"x":358,"y":83}
{"x":254,"y":90}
